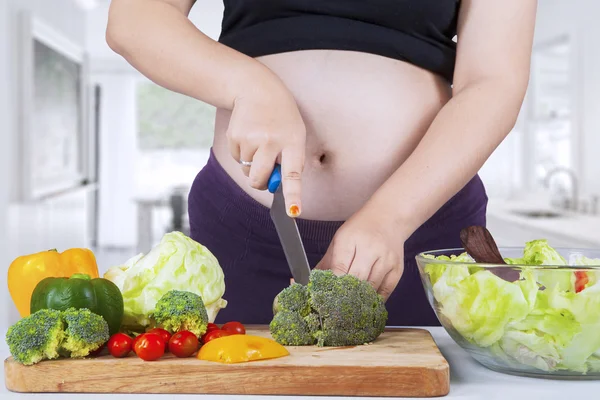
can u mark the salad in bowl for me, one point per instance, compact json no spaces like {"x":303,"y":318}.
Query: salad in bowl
{"x":536,"y":313}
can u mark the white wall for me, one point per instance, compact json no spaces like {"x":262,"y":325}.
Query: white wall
{"x":65,"y":17}
{"x":4,"y":157}
{"x":117,"y":211}
{"x":588,"y":33}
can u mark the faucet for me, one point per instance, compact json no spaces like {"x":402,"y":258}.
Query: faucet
{"x":573,"y":202}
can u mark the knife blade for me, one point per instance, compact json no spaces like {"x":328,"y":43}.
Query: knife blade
{"x":287,"y":230}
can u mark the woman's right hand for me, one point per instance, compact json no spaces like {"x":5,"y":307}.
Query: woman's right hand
{"x":159,"y":40}
{"x":265,"y":130}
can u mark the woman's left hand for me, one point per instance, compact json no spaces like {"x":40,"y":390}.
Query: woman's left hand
{"x":368,"y":247}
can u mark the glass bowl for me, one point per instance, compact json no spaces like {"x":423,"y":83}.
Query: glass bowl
{"x":531,"y":320}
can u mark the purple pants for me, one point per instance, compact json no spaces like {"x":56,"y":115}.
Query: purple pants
{"x":239,"y":232}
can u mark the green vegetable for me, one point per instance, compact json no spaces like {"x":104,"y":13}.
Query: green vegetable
{"x":176,"y":263}
{"x":330,"y":311}
{"x":100,"y":296}
{"x":482,"y":305}
{"x":86,"y":332}
{"x":289,"y":328}
{"x":179,"y":310}
{"x":548,"y":320}
{"x":48,"y":334}
{"x":36,"y":337}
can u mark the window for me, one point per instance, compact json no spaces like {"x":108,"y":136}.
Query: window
{"x":174,"y":136}
{"x":169,"y":120}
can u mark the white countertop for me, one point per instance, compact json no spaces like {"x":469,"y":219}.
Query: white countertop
{"x":469,"y":380}
{"x":581,"y":227}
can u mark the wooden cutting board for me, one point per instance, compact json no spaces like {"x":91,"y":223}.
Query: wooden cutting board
{"x":400,"y":363}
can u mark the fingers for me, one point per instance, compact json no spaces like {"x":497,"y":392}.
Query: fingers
{"x":362,"y":264}
{"x":247,"y":153}
{"x":262,"y":168}
{"x":338,"y":259}
{"x":378,"y":273}
{"x":390,"y":282}
{"x":292,"y":164}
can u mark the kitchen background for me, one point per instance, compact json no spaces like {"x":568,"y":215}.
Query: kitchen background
{"x":94,"y":155}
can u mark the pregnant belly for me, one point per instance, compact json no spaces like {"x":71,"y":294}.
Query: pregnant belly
{"x":364,"y":116}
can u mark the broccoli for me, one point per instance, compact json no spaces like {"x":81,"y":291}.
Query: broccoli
{"x":180,"y":310}
{"x":36,"y":337}
{"x":330,"y":311}
{"x":48,"y":334}
{"x":86,"y":332}
{"x":291,"y":329}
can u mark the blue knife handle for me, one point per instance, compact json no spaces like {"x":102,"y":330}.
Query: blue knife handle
{"x":275,"y":179}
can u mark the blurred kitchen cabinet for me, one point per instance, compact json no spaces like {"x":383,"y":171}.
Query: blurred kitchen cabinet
{"x":58,"y":222}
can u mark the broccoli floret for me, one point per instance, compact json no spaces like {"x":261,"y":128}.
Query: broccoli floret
{"x":86,"y":332}
{"x":335,"y":311}
{"x":290,"y":329}
{"x":48,"y":334}
{"x":292,"y":298}
{"x":36,"y":337}
{"x":180,"y":310}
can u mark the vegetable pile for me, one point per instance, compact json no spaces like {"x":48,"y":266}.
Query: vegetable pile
{"x":330,"y":311}
{"x":176,"y":263}
{"x":548,"y":319}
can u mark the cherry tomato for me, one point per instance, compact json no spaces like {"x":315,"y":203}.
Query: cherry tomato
{"x":234,"y":327}
{"x":581,"y":279}
{"x":150,"y":347}
{"x":209,"y":328}
{"x":164,"y":334}
{"x":183,"y":344}
{"x":215,"y":334}
{"x":120,"y":345}
{"x":135,"y":339}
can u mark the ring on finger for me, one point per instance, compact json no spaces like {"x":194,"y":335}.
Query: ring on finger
{"x":246,"y":163}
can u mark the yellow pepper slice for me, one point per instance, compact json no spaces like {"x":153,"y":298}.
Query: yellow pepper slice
{"x":241,"y":348}
{"x":25,"y":272}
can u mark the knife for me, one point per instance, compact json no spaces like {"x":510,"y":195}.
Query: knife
{"x":287,"y":230}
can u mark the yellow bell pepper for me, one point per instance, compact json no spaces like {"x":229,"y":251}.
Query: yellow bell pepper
{"x":241,"y":348}
{"x":25,"y":272}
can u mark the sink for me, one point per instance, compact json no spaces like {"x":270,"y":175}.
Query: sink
{"x":538,"y":214}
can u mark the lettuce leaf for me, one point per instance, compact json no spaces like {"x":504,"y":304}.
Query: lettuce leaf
{"x":176,"y":263}
{"x":481,"y":305}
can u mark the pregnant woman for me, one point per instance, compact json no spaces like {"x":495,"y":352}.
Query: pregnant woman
{"x":380,"y":120}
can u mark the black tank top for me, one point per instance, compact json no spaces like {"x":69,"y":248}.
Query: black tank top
{"x":416,"y":31}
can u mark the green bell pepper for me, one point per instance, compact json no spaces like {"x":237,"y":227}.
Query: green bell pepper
{"x":99,"y":295}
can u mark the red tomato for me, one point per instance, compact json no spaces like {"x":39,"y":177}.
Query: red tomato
{"x":120,"y":345}
{"x":164,"y":334}
{"x":183,"y":344}
{"x":234,"y":327}
{"x":135,"y":340}
{"x":150,"y":347}
{"x":214,"y":335}
{"x":581,"y":279}
{"x":209,"y":328}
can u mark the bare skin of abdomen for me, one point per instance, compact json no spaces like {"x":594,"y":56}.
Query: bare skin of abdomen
{"x":364,"y":115}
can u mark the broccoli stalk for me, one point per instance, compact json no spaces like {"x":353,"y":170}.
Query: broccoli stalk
{"x":329,"y":311}
{"x":180,"y":310}
{"x":47,"y":334}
